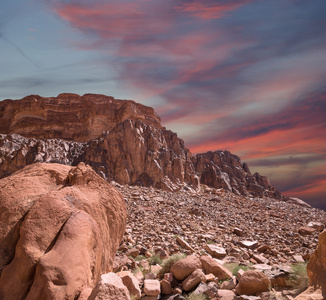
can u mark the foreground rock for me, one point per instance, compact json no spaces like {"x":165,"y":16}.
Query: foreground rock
{"x":110,"y":287}
{"x":253,"y":283}
{"x":316,"y":270}
{"x":184,"y":267}
{"x":60,"y":229}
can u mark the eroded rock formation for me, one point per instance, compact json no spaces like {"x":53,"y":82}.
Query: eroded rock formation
{"x":222,"y":169}
{"x":60,"y":228}
{"x":70,"y":116}
{"x":136,"y":153}
{"x":122,"y":140}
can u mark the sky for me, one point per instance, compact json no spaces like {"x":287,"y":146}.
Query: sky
{"x":248,"y":76}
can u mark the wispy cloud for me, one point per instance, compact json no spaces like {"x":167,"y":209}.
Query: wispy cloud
{"x":209,"y":9}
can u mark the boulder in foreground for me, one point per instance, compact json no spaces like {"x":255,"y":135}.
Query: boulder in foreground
{"x":316,"y":271}
{"x":59,"y":231}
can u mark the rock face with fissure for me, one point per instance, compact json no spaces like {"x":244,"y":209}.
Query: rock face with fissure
{"x":60,"y":228}
{"x":122,"y":140}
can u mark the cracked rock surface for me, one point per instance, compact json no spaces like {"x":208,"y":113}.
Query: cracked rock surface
{"x":60,"y":228}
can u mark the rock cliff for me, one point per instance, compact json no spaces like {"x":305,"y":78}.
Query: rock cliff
{"x":70,"y":116}
{"x":122,"y":140}
{"x":222,"y":169}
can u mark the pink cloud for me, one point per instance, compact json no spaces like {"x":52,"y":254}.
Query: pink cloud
{"x":112,"y":19}
{"x":209,"y":9}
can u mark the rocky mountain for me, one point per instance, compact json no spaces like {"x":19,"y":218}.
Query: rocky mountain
{"x":122,"y":140}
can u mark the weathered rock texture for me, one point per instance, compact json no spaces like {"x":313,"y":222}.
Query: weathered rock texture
{"x":122,"y":140}
{"x":16,"y":152}
{"x":222,"y":169}
{"x":60,"y":228}
{"x":136,"y":153}
{"x":70,"y":116}
{"x":316,"y":270}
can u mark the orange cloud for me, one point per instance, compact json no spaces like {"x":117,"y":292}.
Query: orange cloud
{"x":314,"y":191}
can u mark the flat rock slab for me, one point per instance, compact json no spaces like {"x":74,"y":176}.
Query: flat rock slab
{"x":249,"y":244}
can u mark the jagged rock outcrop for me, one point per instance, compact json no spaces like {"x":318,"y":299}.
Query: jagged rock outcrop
{"x":70,"y":116}
{"x":16,"y":152}
{"x":123,"y":141}
{"x":222,"y":169}
{"x":136,"y":153}
{"x":60,"y":228}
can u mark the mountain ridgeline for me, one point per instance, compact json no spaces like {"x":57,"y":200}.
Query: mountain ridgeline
{"x":120,"y":139}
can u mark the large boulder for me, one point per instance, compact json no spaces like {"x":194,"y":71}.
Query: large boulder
{"x":110,"y":287}
{"x":60,"y":228}
{"x":193,"y":280}
{"x":184,"y":267}
{"x":210,"y":265}
{"x":253,"y":283}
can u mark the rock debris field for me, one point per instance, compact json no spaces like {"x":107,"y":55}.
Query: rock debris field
{"x":280,"y":232}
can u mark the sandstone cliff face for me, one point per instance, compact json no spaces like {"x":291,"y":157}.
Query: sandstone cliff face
{"x":136,"y":153}
{"x":70,"y":116}
{"x":60,"y":228}
{"x":123,"y":141}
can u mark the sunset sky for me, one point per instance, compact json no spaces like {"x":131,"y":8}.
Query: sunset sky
{"x":246,"y":76}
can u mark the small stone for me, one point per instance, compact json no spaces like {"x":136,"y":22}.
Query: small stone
{"x":215,"y":251}
{"x":306,"y":230}
{"x":152,"y":287}
{"x":226,"y":295}
{"x":238,"y":231}
{"x":166,"y":288}
{"x":249,"y":244}
{"x":298,"y":258}
{"x":263,"y":248}
{"x":184,"y":244}
{"x":168,"y":277}
{"x":210,"y":277}
{"x":317,"y":225}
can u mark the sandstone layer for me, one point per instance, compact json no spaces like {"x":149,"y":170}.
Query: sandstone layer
{"x":60,"y":228}
{"x":70,"y":116}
